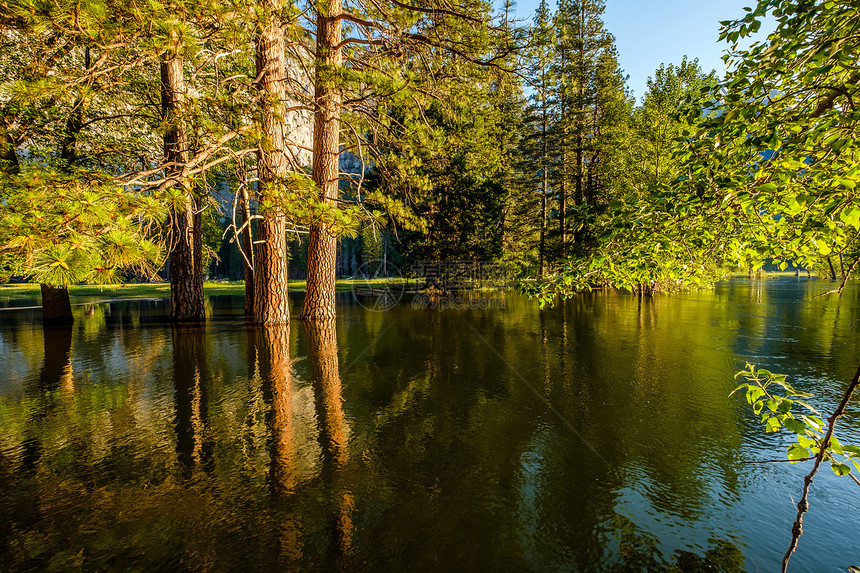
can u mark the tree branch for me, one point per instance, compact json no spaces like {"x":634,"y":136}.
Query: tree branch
{"x":803,"y":504}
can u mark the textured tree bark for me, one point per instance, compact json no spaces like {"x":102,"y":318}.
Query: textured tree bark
{"x":322,"y":243}
{"x":186,"y":264}
{"x":56,"y":307}
{"x":271,"y":305}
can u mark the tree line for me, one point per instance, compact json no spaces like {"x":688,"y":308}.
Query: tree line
{"x":119,"y":122}
{"x":124,"y":127}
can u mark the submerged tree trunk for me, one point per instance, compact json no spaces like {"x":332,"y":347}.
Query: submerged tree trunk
{"x":273,"y":357}
{"x":271,"y":305}
{"x":186,"y":264}
{"x":56,"y":307}
{"x":194,"y":444}
{"x":322,"y":243}
{"x":832,"y":270}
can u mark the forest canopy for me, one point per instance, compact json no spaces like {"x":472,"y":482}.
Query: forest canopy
{"x":181,"y":141}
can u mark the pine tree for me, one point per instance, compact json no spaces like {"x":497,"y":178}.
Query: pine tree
{"x":540,"y":120}
{"x":392,"y":54}
{"x":590,"y":96}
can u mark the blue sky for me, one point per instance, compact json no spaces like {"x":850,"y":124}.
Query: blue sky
{"x":648,"y":33}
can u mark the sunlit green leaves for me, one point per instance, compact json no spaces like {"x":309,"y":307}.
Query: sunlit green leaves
{"x":762,"y":389}
{"x":80,"y":232}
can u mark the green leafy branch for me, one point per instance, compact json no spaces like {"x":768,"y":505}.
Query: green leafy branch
{"x":758,"y":382}
{"x":775,"y":412}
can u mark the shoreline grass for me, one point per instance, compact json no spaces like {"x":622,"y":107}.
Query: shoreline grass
{"x":160,"y":290}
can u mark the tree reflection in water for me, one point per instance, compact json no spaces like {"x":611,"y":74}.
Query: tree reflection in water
{"x":274,"y":368}
{"x":328,"y":398}
{"x":56,"y":374}
{"x":191,"y":388}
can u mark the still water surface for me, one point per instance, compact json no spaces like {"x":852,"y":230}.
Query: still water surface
{"x":595,"y":436}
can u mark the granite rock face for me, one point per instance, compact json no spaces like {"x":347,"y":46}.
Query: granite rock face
{"x":299,"y":124}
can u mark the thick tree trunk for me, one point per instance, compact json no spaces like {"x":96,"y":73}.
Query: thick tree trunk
{"x":322,"y":243}
{"x":186,"y":265}
{"x":56,"y":307}
{"x":271,"y":304}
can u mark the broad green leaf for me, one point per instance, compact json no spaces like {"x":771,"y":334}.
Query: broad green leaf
{"x":839,"y":468}
{"x":796,"y":452}
{"x":794,"y":425}
{"x":773,"y":425}
{"x":851,"y":216}
{"x":836,"y":446}
{"x":853,"y":450}
{"x":784,"y":406}
{"x":754,"y":393}
{"x":805,"y":441}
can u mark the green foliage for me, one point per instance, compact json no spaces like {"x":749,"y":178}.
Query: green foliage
{"x":63,"y":229}
{"x":662,"y":121}
{"x":780,"y":155}
{"x":765,"y":172}
{"x":772,"y":399}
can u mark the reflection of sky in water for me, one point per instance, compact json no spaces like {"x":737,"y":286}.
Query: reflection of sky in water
{"x":433,"y":453}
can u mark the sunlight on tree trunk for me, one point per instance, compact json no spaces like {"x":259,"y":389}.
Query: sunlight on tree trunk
{"x":322,"y":243}
{"x":186,"y":265}
{"x":271,"y":304}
